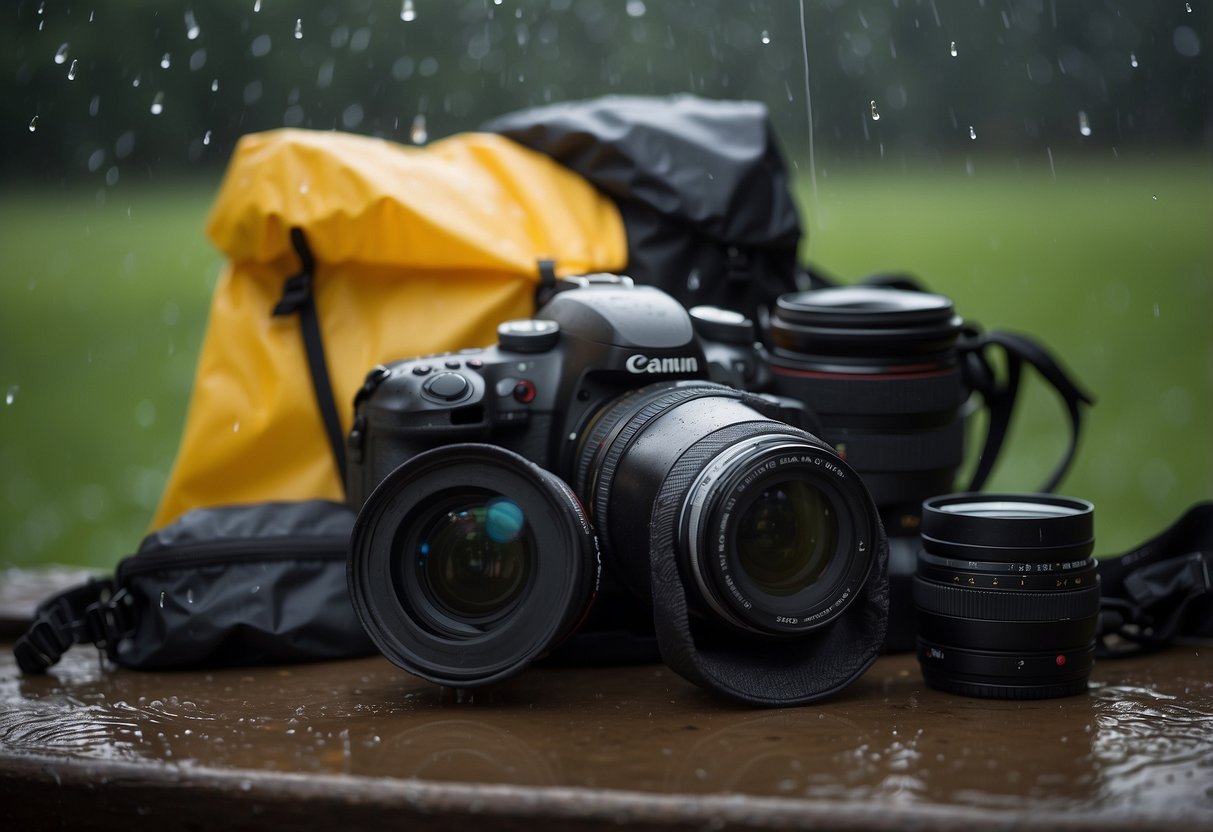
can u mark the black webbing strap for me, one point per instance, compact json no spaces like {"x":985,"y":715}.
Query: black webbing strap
{"x":1000,"y":397}
{"x":91,"y":613}
{"x":298,"y":297}
{"x":1161,"y":590}
{"x":547,"y":282}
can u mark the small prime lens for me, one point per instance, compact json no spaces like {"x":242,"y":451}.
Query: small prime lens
{"x":1007,"y":595}
{"x":468,"y":562}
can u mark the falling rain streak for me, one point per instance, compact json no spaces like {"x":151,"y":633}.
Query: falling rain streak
{"x":408,"y":12}
{"x":158,"y":104}
{"x":766,"y":36}
{"x":71,"y":71}
{"x":1084,"y":125}
{"x":33,"y":124}
{"x":191,"y":27}
{"x":298,"y":28}
{"x":166,"y":61}
{"x":953,"y":49}
{"x":418,"y":133}
{"x":875,"y":112}
{"x":972,"y":132}
{"x":61,"y":55}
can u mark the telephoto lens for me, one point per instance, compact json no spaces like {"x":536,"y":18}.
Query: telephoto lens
{"x":1007,"y":595}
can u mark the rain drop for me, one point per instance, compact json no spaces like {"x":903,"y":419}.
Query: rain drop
{"x":162,"y":593}
{"x":298,"y":28}
{"x":1084,"y":126}
{"x":189,"y":596}
{"x":191,"y":26}
{"x":766,"y":36}
{"x":166,"y":61}
{"x":33,"y":125}
{"x":418,"y":133}
{"x":972,"y":133}
{"x":207,"y":138}
{"x":256,"y":6}
{"x":71,"y":71}
{"x":94,"y":106}
{"x":135,"y":83}
{"x":11,"y":395}
{"x":1133,"y":60}
{"x":1154,"y":197}
{"x":953,"y":49}
{"x":158,"y":104}
{"x":408,"y":11}
{"x":636,"y":8}
{"x":91,"y":15}
{"x":1188,"y":8}
{"x":61,"y":55}
{"x":215,"y":85}
{"x":875,"y":112}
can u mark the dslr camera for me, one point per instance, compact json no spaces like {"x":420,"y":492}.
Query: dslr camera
{"x":609,"y":448}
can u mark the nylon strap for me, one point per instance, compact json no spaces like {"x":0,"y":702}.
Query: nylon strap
{"x":298,"y":297}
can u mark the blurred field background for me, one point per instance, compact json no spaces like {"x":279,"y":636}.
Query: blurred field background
{"x":1048,"y":165}
{"x":1109,"y":264}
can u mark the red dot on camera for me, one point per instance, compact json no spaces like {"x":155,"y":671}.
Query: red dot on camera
{"x":1061,"y":660}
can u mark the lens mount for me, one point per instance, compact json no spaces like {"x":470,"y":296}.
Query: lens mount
{"x":468,"y":562}
{"x":824,"y":534}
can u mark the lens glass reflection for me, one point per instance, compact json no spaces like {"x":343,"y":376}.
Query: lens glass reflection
{"x":786,"y":537}
{"x":476,"y":557}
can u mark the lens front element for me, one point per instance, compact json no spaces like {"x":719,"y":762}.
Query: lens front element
{"x":786,"y":537}
{"x":475,"y":558}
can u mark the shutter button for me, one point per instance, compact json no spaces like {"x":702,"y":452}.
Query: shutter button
{"x":446,"y":387}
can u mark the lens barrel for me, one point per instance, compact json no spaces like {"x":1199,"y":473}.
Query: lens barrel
{"x":770,"y":530}
{"x":468,"y":562}
{"x":1007,"y":595}
{"x":879,"y":366}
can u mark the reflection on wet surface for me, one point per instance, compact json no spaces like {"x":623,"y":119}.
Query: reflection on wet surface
{"x":1142,"y":739}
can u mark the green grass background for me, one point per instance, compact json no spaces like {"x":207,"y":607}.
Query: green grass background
{"x":104,"y":297}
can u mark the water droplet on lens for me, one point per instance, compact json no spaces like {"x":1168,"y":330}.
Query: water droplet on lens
{"x":418,"y":133}
{"x":158,"y":104}
{"x":972,"y":133}
{"x":61,"y":55}
{"x":953,"y":49}
{"x":71,"y":71}
{"x":33,"y":124}
{"x":875,"y":112}
{"x":766,"y":36}
{"x":166,"y":61}
{"x":408,"y":11}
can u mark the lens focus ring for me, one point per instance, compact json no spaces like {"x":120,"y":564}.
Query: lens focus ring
{"x":1004,"y":605}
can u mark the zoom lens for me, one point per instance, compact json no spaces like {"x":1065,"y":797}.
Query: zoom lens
{"x":880,"y":368}
{"x":1007,"y":595}
{"x":468,"y":562}
{"x":771,"y":530}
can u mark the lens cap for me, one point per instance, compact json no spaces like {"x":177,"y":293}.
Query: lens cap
{"x":1030,"y":528}
{"x":864,"y":320}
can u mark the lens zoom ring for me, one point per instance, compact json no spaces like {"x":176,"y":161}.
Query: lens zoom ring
{"x":636,"y":417}
{"x":996,"y":605}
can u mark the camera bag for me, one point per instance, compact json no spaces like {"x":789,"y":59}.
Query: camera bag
{"x":702,"y":187}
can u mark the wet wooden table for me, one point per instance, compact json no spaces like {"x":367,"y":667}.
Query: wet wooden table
{"x":361,"y":744}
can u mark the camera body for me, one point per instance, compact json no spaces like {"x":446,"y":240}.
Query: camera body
{"x":536,"y":390}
